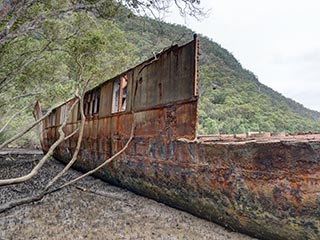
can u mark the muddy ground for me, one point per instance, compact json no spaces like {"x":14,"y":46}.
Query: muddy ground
{"x":90,"y":209}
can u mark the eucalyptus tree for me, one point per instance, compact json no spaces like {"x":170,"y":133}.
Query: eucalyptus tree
{"x":54,"y":50}
{"x":41,"y":39}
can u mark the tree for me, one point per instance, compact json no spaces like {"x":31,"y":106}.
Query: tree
{"x":34,"y":35}
{"x":60,"y":48}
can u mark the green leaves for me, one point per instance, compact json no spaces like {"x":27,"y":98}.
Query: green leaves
{"x":59,"y":48}
{"x":61,"y":54}
{"x":241,"y":104}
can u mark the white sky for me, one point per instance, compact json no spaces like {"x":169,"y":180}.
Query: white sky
{"x":278,"y":40}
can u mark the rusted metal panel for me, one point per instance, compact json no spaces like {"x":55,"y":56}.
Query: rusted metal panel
{"x":165,"y":84}
{"x":167,"y":79}
{"x":106,"y":99}
{"x":125,"y":124}
{"x":267,"y":187}
{"x":130,"y":91}
{"x":150,"y":123}
{"x":186,"y":116}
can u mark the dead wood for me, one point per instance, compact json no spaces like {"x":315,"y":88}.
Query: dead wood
{"x":31,"y":199}
{"x":13,"y":116}
{"x":108,"y":195}
{"x":105,"y":162}
{"x":31,"y":126}
{"x":75,"y":154}
{"x":36,"y":169}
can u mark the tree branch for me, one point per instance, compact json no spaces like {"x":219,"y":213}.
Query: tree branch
{"x":32,"y":25}
{"x":13,"y":116}
{"x":24,"y":95}
{"x":31,"y":126}
{"x":105,"y":162}
{"x":6,"y":113}
{"x":15,"y":17}
{"x":8,"y":6}
{"x":76,"y":152}
{"x":6,"y":81}
{"x":35,"y":170}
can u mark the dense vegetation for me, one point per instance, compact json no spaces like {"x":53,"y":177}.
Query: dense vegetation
{"x":64,"y":51}
{"x":232,"y":100}
{"x":60,"y":54}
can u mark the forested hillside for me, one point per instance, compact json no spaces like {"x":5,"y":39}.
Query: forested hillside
{"x":50,"y":54}
{"x":232,"y":100}
{"x":49,"y":51}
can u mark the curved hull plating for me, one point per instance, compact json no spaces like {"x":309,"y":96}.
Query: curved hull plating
{"x":268,"y":189}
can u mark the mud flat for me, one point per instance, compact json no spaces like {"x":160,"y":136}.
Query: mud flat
{"x":90,"y":209}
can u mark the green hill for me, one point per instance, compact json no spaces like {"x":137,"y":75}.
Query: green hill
{"x":43,"y":65}
{"x":232,"y":100}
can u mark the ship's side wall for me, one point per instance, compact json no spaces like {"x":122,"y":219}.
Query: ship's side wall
{"x":158,"y":97}
{"x":167,"y":79}
{"x":269,"y":190}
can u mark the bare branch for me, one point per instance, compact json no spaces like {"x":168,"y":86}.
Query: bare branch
{"x":15,"y":17}
{"x":24,"y":95}
{"x":36,"y":169}
{"x":31,"y":126}
{"x":6,"y":113}
{"x":8,"y":6}
{"x":32,"y":25}
{"x":13,"y":116}
{"x":21,"y":67}
{"x":105,"y":162}
{"x":26,"y":200}
{"x":76,"y":152}
{"x":71,"y":134}
{"x":185,"y":7}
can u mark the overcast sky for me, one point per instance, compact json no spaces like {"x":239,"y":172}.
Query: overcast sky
{"x":278,"y":40}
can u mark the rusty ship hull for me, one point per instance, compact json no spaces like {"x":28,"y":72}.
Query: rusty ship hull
{"x":267,"y":187}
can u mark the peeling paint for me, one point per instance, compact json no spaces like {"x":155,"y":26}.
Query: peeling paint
{"x":263,"y":185}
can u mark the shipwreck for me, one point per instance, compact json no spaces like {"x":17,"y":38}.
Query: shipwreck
{"x":265,"y":186}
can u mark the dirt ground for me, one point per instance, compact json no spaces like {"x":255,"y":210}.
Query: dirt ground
{"x":91,"y":209}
